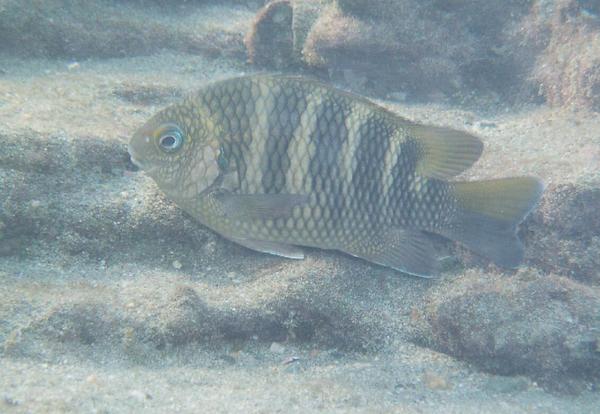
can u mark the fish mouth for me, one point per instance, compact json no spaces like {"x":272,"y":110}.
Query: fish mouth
{"x":133,"y":159}
{"x":140,"y":165}
{"x":135,"y":162}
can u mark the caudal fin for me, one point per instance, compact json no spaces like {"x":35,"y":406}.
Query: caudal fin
{"x":488,"y":213}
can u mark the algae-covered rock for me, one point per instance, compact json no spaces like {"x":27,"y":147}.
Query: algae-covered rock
{"x":470,"y":51}
{"x":565,"y":236}
{"x":543,"y":326}
{"x":567,"y":71}
{"x":270,"y":41}
{"x":279,"y":30}
{"x":425,"y":50}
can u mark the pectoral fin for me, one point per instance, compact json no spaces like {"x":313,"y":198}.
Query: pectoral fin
{"x":278,"y":249}
{"x":410,"y":251}
{"x":259,"y":206}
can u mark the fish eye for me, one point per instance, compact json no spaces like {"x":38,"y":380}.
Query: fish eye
{"x":171,"y":140}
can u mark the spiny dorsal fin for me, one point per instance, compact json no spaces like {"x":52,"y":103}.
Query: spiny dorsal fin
{"x":446,"y":152}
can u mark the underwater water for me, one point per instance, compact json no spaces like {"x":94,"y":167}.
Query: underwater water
{"x":115,"y":297}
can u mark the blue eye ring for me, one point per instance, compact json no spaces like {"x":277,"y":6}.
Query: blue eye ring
{"x":171,"y":139}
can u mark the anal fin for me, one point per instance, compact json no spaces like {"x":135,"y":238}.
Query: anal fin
{"x":409,"y":251}
{"x":278,"y":249}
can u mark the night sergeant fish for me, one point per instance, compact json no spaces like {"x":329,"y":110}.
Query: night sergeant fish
{"x":277,"y":162}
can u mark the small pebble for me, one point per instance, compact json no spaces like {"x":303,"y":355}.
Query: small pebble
{"x":277,"y":348}
{"x":397,"y":96}
{"x":92,"y":379}
{"x":290,"y":360}
{"x":484,"y":124}
{"x":73,"y":66}
{"x":228,"y":359}
{"x":293,"y":368}
{"x":10,"y":401}
{"x":139,"y":395}
{"x":35,"y":203}
{"x":177,"y":264}
{"x":435,"y":382}
{"x":506,"y":385}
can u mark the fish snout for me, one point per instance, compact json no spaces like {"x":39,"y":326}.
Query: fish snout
{"x":131,"y":163}
{"x":134,"y":157}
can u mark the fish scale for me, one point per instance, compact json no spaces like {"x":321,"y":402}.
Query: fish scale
{"x":273,"y":162}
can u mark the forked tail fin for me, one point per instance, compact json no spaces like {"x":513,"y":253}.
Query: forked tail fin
{"x":488,"y":213}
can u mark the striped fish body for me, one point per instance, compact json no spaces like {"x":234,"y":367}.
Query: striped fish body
{"x":285,"y":136}
{"x":274,"y":162}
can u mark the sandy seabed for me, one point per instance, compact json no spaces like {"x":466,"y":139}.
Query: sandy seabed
{"x":112,"y":300}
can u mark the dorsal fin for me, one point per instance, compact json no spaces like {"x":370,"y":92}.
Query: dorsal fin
{"x":446,"y":152}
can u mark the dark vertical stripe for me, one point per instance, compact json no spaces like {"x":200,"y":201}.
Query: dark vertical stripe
{"x":329,"y":135}
{"x":264,"y":93}
{"x":367,"y":181}
{"x":289,"y":105}
{"x":230,"y":104}
{"x":401,"y":199}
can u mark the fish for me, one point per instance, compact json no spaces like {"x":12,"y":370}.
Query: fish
{"x":276,"y":163}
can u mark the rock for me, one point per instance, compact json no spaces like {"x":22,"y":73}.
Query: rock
{"x":507,"y":385}
{"x":435,"y":382}
{"x":306,"y":13}
{"x":270,"y":41}
{"x":527,"y":324}
{"x":10,"y":402}
{"x":140,"y":396}
{"x":277,"y":348}
{"x":290,"y":360}
{"x":563,"y":232}
{"x":563,"y":36}
{"x":277,"y":35}
{"x":405,"y":46}
{"x":92,"y":379}
{"x":466,"y":50}
{"x":170,"y":314}
{"x":295,"y":368}
{"x":73,"y":66}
